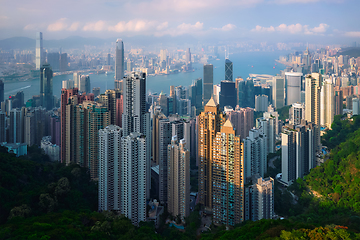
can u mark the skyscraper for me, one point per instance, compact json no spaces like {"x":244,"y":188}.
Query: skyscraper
{"x":227,"y":177}
{"x":327,"y":104}
{"x":312,"y":101}
{"x":133,"y":177}
{"x":210,"y":122}
{"x":109,"y":168}
{"x":293,"y":82}
{"x":228,"y":70}
{"x":84,"y":84}
{"x":135,"y":118}
{"x":54,"y":60}
{"x":2,"y":126}
{"x":63,"y":62}
{"x":16,"y":126}
{"x":255,"y":152}
{"x":1,"y":91}
{"x":339,"y":102}
{"x":242,"y":120}
{"x":267,"y":124}
{"x":178,"y":182}
{"x":298,"y":148}
{"x":296,"y":113}
{"x":46,"y":87}
{"x":278,"y":92}
{"x":208,"y":83}
{"x":39,"y":51}
{"x":227,"y":94}
{"x":119,"y":60}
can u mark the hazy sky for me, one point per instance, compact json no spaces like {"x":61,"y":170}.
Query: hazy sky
{"x":336,"y":20}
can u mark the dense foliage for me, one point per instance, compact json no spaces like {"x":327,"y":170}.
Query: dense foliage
{"x":33,"y":185}
{"x":284,"y":113}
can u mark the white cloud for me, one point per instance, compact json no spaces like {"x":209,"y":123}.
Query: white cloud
{"x":95,"y":26}
{"x":225,"y":28}
{"x":133,"y":26}
{"x":73,"y":27}
{"x":59,"y":25}
{"x":162,"y":26}
{"x":294,"y":29}
{"x":353,"y":34}
{"x":181,"y":29}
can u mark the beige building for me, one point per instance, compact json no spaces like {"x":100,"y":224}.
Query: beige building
{"x":210,"y":122}
{"x":227,"y":177}
{"x":178,"y":183}
{"x":327,"y":103}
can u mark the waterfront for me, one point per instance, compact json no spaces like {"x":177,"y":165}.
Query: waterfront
{"x":243,"y":65}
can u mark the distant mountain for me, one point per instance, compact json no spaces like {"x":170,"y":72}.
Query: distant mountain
{"x":351,"y":52}
{"x":17,"y":43}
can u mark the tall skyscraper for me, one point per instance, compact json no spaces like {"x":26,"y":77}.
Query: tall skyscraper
{"x":109,"y":168}
{"x":208,"y":83}
{"x":54,"y":60}
{"x":133,"y":177}
{"x":227,"y":94}
{"x":46,"y":87}
{"x":312,"y":101}
{"x":278,"y":92}
{"x":267,"y":124}
{"x":63,"y":62}
{"x":242,"y":120}
{"x":327,"y":104}
{"x":16,"y":126}
{"x":178,"y":200}
{"x":296,"y":113}
{"x":1,"y":91}
{"x":339,"y":102}
{"x":84,"y":84}
{"x":119,"y":60}
{"x":210,"y":122}
{"x":135,"y":117}
{"x":2,"y":126}
{"x":228,"y":70}
{"x":39,"y":51}
{"x":227,"y":177}
{"x":298,"y":148}
{"x":260,"y":199}
{"x":293,"y":82}
{"x":255,"y":153}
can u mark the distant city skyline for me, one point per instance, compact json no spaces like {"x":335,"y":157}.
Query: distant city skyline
{"x":314,"y":20}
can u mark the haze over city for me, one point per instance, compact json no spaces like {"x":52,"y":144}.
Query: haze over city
{"x":314,"y":21}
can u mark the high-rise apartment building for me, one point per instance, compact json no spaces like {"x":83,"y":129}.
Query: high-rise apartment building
{"x":228,"y":70}
{"x":133,"y":177}
{"x":227,"y":177}
{"x":208,"y":83}
{"x":259,"y":199}
{"x":39,"y":61}
{"x":135,"y":117}
{"x":255,"y":153}
{"x":119,"y":60}
{"x":245,"y":92}
{"x":242,"y":120}
{"x":327,"y":104}
{"x":1,"y":91}
{"x":298,"y":148}
{"x":16,"y":127}
{"x":210,"y":122}
{"x":109,"y":168}
{"x":261,"y":103}
{"x":278,"y":87}
{"x":2,"y":126}
{"x":339,"y":102}
{"x":178,"y":182}
{"x":46,"y":87}
{"x":312,"y":101}
{"x":296,"y":113}
{"x":267,"y":124}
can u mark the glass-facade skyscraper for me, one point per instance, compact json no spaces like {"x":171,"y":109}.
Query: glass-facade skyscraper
{"x":228,"y":70}
{"x":119,"y":60}
{"x":46,"y":86}
{"x":39,"y":51}
{"x":208,"y":82}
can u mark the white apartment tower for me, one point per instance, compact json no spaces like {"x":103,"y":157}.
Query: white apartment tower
{"x":255,"y":152}
{"x":133,"y":177}
{"x":178,"y":198}
{"x":109,"y":168}
{"x":327,"y":103}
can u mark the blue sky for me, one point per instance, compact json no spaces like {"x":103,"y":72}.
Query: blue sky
{"x":278,"y":20}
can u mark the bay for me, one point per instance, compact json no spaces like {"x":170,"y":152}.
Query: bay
{"x":243,"y":65}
